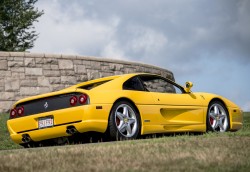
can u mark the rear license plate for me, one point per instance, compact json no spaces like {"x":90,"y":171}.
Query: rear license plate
{"x":45,"y":122}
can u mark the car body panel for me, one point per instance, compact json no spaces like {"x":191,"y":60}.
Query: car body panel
{"x":159,"y":112}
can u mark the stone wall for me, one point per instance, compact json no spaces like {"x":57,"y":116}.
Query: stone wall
{"x":27,"y":74}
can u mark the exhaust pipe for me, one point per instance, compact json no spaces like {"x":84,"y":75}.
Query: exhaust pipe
{"x":26,"y":138}
{"x":71,"y":130}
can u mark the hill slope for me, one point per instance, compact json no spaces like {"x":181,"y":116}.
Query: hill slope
{"x":208,"y":152}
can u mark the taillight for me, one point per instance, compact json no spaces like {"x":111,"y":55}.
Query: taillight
{"x":73,"y":100}
{"x":83,"y":99}
{"x":13,"y":113}
{"x":20,"y":111}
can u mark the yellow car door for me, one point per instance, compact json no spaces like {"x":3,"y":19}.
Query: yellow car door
{"x":176,"y":109}
{"x":180,"y":109}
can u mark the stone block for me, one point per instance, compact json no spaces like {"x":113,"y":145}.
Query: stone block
{"x":4,"y":54}
{"x":29,"y":82}
{"x":4,"y":74}
{"x":51,"y":73}
{"x":57,"y":87}
{"x":17,"y":54}
{"x":54,"y":67}
{"x":59,"y":56}
{"x":35,"y":55}
{"x":34,"y":71}
{"x":66,"y":64}
{"x":93,"y":74}
{"x":3,"y":65}
{"x":86,"y":62}
{"x":54,"y":80}
{"x":12,"y":84}
{"x":5,"y":106}
{"x":129,"y":70}
{"x":77,"y":62}
{"x":30,"y":62}
{"x":105,"y":74}
{"x":7,"y":96}
{"x":68,"y":80}
{"x":116,"y":67}
{"x":67,"y":72}
{"x":1,"y":82}
{"x":19,"y":75}
{"x":17,"y":69}
{"x":43,"y":81}
{"x":39,"y":60}
{"x":95,"y":65}
{"x":31,"y":91}
{"x":80,"y":69}
{"x":68,"y":57}
{"x":20,"y":59}
{"x":46,"y":66}
{"x":81,"y":78}
{"x":15,"y":63}
{"x":105,"y":68}
{"x":51,"y":61}
{"x":118,"y":73}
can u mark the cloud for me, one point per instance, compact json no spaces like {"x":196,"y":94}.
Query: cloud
{"x":69,"y":31}
{"x":208,"y":43}
{"x":166,"y":29}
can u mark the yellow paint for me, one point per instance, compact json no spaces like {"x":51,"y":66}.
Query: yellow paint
{"x":159,"y":112}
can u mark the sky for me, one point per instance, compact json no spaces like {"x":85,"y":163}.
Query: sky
{"x":203,"y":41}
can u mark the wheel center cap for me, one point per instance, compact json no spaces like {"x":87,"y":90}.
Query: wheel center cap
{"x":125,"y":119}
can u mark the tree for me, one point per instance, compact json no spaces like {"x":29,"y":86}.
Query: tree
{"x":16,"y":24}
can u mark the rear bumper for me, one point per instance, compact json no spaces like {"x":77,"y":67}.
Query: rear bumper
{"x":84,"y":119}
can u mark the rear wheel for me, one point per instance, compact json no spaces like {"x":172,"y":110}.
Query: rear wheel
{"x":124,"y":121}
{"x":217,"y":117}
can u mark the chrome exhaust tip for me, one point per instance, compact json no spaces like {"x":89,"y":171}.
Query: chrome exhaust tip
{"x":26,"y":138}
{"x":71,"y":130}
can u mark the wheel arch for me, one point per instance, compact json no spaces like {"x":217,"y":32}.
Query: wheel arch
{"x":132,"y":103}
{"x":226,"y":108}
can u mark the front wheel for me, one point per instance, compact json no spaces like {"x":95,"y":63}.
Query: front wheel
{"x":217,"y":117}
{"x":124,"y":121}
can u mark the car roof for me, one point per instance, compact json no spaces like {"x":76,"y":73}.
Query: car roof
{"x":117,"y":81}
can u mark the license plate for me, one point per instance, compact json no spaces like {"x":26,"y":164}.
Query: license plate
{"x":45,"y":122}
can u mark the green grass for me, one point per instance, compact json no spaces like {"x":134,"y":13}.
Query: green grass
{"x":208,"y":152}
{"x":5,"y":141}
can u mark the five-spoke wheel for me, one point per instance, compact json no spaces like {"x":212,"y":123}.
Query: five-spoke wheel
{"x":217,"y":117}
{"x":124,"y":122}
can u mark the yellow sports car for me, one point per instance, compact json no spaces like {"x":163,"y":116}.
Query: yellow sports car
{"x":122,"y":107}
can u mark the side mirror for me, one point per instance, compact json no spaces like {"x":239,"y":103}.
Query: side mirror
{"x":188,"y":87}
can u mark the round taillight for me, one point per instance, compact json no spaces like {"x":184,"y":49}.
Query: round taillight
{"x":20,"y":111}
{"x":13,"y":113}
{"x":73,"y":100}
{"x":83,"y":99}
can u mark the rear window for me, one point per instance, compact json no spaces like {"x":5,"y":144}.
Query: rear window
{"x":93,"y":85}
{"x":133,"y":84}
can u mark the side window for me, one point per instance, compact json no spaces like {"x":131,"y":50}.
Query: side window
{"x":155,"y":84}
{"x":133,"y":84}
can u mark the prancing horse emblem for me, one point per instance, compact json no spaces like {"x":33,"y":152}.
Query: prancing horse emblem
{"x":46,"y":105}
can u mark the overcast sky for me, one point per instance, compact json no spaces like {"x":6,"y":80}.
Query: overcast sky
{"x":204,"y":41}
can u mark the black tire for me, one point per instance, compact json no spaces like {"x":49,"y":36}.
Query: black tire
{"x":124,"y":122}
{"x":217,"y":117}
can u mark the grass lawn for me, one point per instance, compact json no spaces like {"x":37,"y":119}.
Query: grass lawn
{"x":208,"y":152}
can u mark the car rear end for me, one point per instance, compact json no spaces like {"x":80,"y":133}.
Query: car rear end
{"x":53,"y":115}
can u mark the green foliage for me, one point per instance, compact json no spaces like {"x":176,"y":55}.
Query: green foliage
{"x":5,"y":141}
{"x":16,"y":24}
